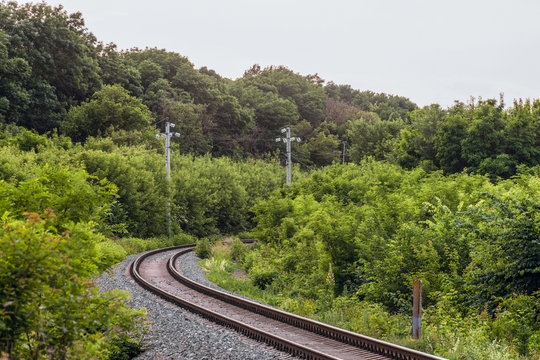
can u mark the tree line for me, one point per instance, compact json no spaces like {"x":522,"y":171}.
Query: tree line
{"x":55,"y":75}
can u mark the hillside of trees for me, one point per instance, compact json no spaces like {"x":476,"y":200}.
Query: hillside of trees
{"x":450,"y":196}
{"x":55,"y":75}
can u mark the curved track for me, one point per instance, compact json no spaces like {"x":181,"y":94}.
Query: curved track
{"x":294,"y":334}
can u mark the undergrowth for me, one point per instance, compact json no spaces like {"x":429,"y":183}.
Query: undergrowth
{"x":443,"y":334}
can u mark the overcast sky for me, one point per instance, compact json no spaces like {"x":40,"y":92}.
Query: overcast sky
{"x":430,"y":51}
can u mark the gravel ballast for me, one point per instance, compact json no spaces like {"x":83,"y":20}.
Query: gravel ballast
{"x":187,"y":265}
{"x":178,"y":334}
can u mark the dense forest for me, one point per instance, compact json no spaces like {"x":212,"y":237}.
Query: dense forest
{"x":384,"y":193}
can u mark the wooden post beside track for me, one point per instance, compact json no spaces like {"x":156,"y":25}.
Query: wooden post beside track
{"x":417,"y":310}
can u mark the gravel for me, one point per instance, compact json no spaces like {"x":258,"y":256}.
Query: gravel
{"x":187,"y":265}
{"x":178,"y":334}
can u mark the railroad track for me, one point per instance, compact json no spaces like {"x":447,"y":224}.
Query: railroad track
{"x":299,"y":336}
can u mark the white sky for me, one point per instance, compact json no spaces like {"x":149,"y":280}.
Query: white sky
{"x":430,"y":51}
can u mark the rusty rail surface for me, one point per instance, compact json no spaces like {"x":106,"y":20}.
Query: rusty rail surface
{"x":272,"y":340}
{"x":375,"y":346}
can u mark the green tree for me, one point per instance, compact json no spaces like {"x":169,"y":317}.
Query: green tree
{"x":269,"y":112}
{"x":230,"y":122}
{"x":448,"y":143}
{"x":506,"y":256}
{"x":115,"y":70}
{"x":417,"y":139}
{"x":373,"y":138}
{"x":14,"y":72}
{"x":172,"y":71}
{"x":150,"y":72}
{"x":109,"y":109}
{"x":192,"y":123}
{"x":209,"y":197}
{"x":484,"y":138}
{"x":323,"y":149}
{"x":522,"y":133}
{"x":61,"y":55}
{"x":306,"y":92}
{"x":160,"y":96}
{"x":142,"y":186}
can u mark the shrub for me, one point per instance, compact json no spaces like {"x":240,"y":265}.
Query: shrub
{"x":263,"y":279}
{"x":124,"y":348}
{"x":203,"y":249}
{"x":70,"y":321}
{"x":238,"y":250}
{"x":109,"y":253}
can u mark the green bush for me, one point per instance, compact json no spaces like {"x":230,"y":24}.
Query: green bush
{"x":238,"y":250}
{"x":124,"y":348}
{"x":109,"y":252}
{"x":517,"y":322}
{"x":70,"y":321}
{"x":203,"y":249}
{"x":183,"y":239}
{"x":263,"y":279}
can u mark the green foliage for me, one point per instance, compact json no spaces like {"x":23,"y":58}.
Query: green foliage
{"x":71,"y":193}
{"x":417,"y":140}
{"x":142,"y":187}
{"x":373,"y":138}
{"x":50,"y":85}
{"x":190,"y":123}
{"x":115,"y":70}
{"x":371,"y":230}
{"x":517,"y":322}
{"x":342,"y":244}
{"x":447,"y":143}
{"x":29,"y":141}
{"x":521,"y":133}
{"x":263,"y":279}
{"x":48,"y":309}
{"x":55,"y":311}
{"x":238,"y":250}
{"x":124,"y":348}
{"x":203,"y":249}
{"x":109,"y":252}
{"x":55,"y":59}
{"x":127,"y":190}
{"x":305,"y":92}
{"x":484,"y":136}
{"x":224,"y":277}
{"x":137,"y":245}
{"x":322,"y":149}
{"x":213,"y":196}
{"x":487,"y":139}
{"x":14,"y":72}
{"x":109,"y":109}
{"x":506,"y":258}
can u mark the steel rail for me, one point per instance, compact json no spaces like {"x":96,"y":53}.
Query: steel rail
{"x":364,"y":342}
{"x":347,"y":337}
{"x":272,"y":340}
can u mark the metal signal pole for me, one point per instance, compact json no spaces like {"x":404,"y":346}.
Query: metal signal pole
{"x":167,"y":135}
{"x":287,"y":140}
